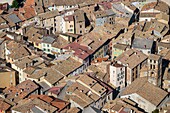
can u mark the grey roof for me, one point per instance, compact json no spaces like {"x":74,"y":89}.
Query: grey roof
{"x":44,"y":85}
{"x":36,"y":110}
{"x":14,"y":18}
{"x":48,"y":39}
{"x":122,"y":9}
{"x":142,"y":43}
{"x":110,"y":12}
{"x":63,"y":57}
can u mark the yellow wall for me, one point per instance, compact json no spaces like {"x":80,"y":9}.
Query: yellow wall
{"x":39,"y":45}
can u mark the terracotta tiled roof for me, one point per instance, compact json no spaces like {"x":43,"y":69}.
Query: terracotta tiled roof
{"x":66,"y":67}
{"x":27,"y":104}
{"x":160,"y":6}
{"x":146,"y":90}
{"x":74,"y":110}
{"x":67,"y":2}
{"x":60,"y":42}
{"x":127,"y":58}
{"x":4,"y":105}
{"x":22,"y":90}
{"x":120,"y":104}
{"x":17,"y":50}
{"x":29,"y":12}
{"x":58,"y":103}
{"x":29,"y":3}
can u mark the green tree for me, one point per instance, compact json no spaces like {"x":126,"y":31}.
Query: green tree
{"x":155,"y":111}
{"x":15,"y":4}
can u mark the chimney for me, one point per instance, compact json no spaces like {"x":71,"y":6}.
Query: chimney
{"x":16,"y":95}
{"x":127,"y":64}
{"x":12,"y":99}
{"x":22,"y":90}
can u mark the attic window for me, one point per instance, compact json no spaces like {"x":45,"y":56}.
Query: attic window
{"x":90,"y":84}
{"x":100,"y":92}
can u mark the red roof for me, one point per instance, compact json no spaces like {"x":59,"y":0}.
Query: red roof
{"x":25,"y":13}
{"x":106,"y":5}
{"x":80,"y":51}
{"x":97,"y":60}
{"x":55,"y":90}
{"x":29,"y":12}
{"x":69,"y":18}
{"x":61,"y":104}
{"x":58,"y":103}
{"x":42,"y":97}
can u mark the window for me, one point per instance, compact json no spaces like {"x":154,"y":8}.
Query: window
{"x":154,"y":61}
{"x":36,"y":44}
{"x":48,"y":50}
{"x":48,"y":45}
{"x":80,"y":26}
{"x":152,"y":73}
{"x":80,"y":31}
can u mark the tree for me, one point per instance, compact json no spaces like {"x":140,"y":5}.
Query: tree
{"x":155,"y":111}
{"x":15,"y":4}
